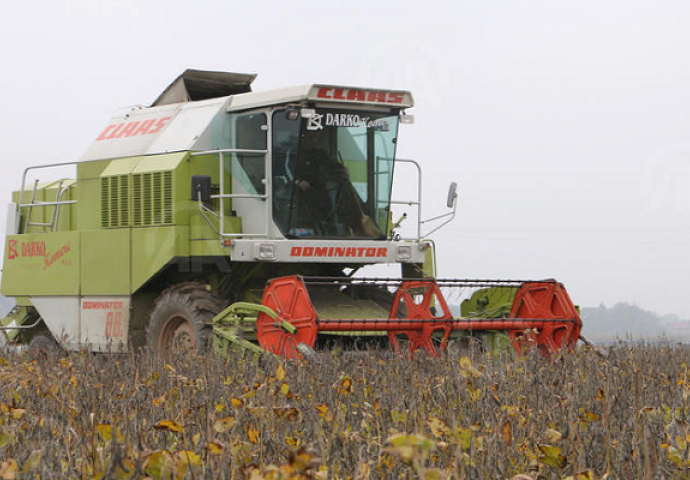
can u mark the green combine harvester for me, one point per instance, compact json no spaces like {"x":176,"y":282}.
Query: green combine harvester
{"x":221,"y":216}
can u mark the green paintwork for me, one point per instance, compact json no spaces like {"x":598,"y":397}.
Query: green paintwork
{"x":235,"y":327}
{"x":20,"y":315}
{"x":153,"y":248}
{"x":105,"y":274}
{"x":42,"y":264}
{"x":116,"y":255}
{"x":489,"y":303}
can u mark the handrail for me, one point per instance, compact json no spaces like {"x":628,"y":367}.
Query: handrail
{"x":417,"y":202}
{"x":222,"y":195}
{"x":57,"y":204}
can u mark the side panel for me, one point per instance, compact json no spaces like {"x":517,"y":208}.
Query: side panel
{"x":105,"y":262}
{"x":41,"y":264}
{"x":153,"y":248}
{"x":61,"y":315}
{"x":105,"y":323}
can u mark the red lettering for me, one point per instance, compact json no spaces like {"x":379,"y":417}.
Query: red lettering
{"x":338,"y":94}
{"x":339,"y":252}
{"x":144,"y":127}
{"x":382,"y":252}
{"x":102,"y":136}
{"x":115,"y":132}
{"x":371,"y":252}
{"x":129,"y":129}
{"x":308,"y":251}
{"x":360,"y":251}
{"x":358,"y":95}
{"x":351,"y":252}
{"x":109,"y":325}
{"x":324,"y":92}
{"x":321,"y":251}
{"x":12,"y":249}
{"x":396,"y":97}
{"x":296,"y":252}
{"x":160,"y":123}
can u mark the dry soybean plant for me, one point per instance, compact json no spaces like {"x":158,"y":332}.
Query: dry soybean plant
{"x":370,"y":415}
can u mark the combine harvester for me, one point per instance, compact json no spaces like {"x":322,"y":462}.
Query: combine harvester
{"x":236,"y":218}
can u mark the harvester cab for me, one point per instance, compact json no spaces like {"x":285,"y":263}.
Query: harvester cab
{"x":221,"y":215}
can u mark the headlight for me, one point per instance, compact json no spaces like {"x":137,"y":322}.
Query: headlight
{"x":265,"y":251}
{"x":404,"y":252}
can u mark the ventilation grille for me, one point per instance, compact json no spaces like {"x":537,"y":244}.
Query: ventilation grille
{"x":115,"y":201}
{"x":152,"y":199}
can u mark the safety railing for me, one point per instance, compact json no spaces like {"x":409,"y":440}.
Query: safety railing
{"x":222,"y":196}
{"x":417,"y":202}
{"x":52,"y":225}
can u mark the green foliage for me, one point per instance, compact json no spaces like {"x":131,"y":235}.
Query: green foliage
{"x":366,"y":416}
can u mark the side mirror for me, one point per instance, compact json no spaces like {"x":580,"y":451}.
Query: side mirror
{"x":201,"y":188}
{"x":452,"y":194}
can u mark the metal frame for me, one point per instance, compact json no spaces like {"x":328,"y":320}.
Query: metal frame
{"x":57,"y":203}
{"x":268,"y":183}
{"x":417,"y":202}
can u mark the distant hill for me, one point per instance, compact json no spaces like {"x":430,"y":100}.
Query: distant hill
{"x":626,"y":321}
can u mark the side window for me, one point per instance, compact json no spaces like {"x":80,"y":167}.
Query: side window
{"x":250,"y":134}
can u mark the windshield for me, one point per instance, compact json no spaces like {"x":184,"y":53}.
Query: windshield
{"x":332,"y":173}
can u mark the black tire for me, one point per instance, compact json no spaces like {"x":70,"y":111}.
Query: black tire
{"x":43,"y":344}
{"x":181,"y":319}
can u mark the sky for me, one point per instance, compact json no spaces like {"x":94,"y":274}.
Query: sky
{"x":565,"y":123}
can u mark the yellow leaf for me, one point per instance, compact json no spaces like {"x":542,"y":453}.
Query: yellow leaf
{"x":507,"y":432}
{"x":105,"y":431}
{"x":215,"y":448}
{"x":6,"y":439}
{"x":291,"y":413}
{"x":224,"y":424}
{"x":73,"y":380}
{"x":463,"y":437}
{"x":158,"y":401}
{"x":552,"y":456}
{"x":18,"y":413}
{"x":159,"y":464}
{"x":285,"y":389}
{"x":170,"y":425}
{"x":434,"y":474}
{"x":280,"y":373}
{"x":293,"y":441}
{"x":253,"y":433}
{"x":438,"y":427}
{"x":343,"y":386}
{"x":196,"y":438}
{"x":34,"y":460}
{"x":220,"y":407}
{"x":322,"y":408}
{"x":590,"y":417}
{"x":236,"y":402}
{"x":8,"y":470}
{"x":553,"y":436}
{"x":188,"y":457}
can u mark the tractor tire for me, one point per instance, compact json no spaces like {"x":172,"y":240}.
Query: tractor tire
{"x":181,"y":320}
{"x":43,"y":345}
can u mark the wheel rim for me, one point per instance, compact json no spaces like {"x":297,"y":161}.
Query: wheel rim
{"x":178,"y":335}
